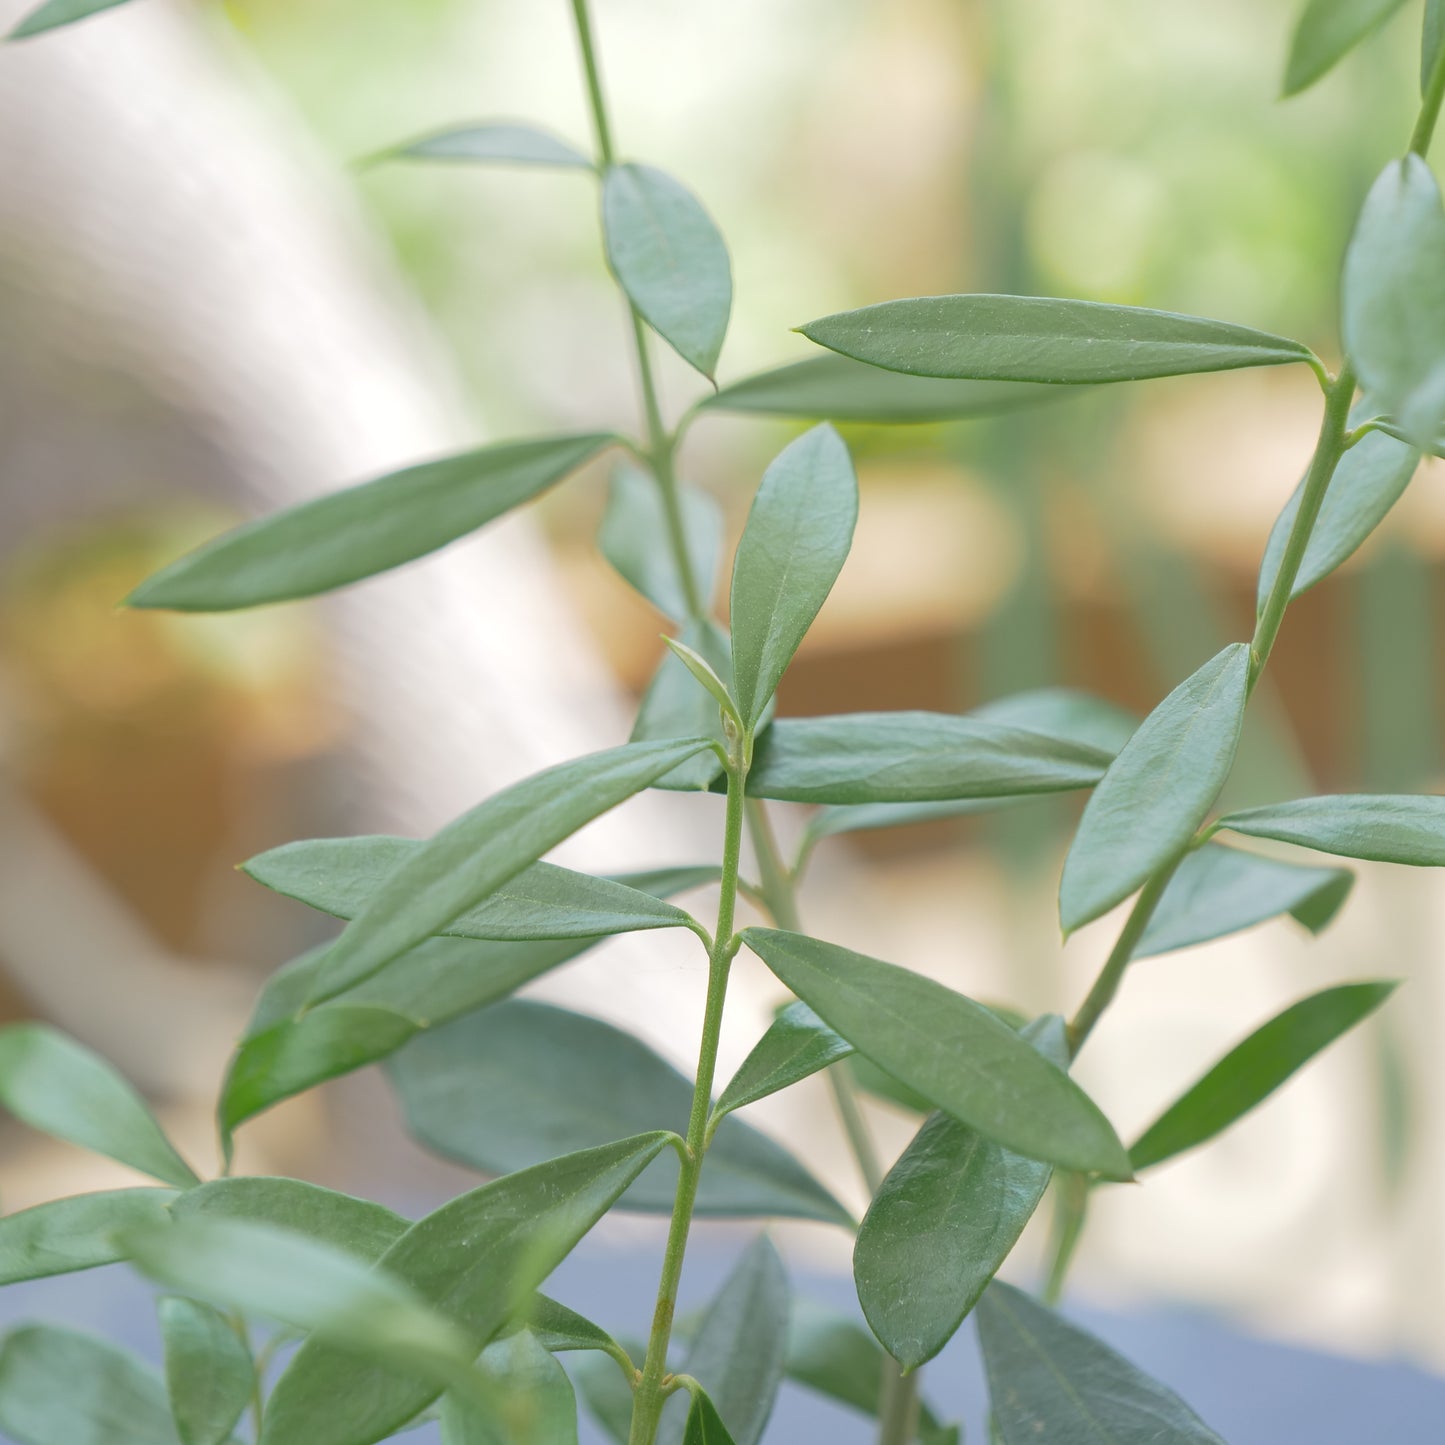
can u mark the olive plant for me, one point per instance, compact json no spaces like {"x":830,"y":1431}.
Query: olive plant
{"x":374,"y":1323}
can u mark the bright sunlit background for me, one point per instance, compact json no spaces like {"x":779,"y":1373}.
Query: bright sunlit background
{"x":210,"y":309}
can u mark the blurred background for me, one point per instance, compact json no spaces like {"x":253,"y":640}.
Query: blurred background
{"x":210,"y":310}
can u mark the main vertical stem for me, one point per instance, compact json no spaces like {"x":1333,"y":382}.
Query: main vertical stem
{"x":660,"y":443}
{"x":651,"y":1393}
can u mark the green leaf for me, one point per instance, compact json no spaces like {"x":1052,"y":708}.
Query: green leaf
{"x":1050,"y":1380}
{"x":72,"y":1234}
{"x":345,"y":536}
{"x":1071,"y":717}
{"x":1370,"y":479}
{"x":914,"y":757}
{"x":518,"y":1083}
{"x":483,"y":849}
{"x":1158,"y":790}
{"x":703,"y":674}
{"x":1218,"y":890}
{"x":535,"y":1404}
{"x":560,"y":1328}
{"x":1038,"y":338}
{"x":799,"y":1043}
{"x":670,"y":259}
{"x":58,"y":1387}
{"x":51,"y":1083}
{"x":704,"y":1424}
{"x":1393,"y":298}
{"x":1252,"y":1071}
{"x":1431,"y":40}
{"x":738,"y":1351}
{"x":1382,"y":828}
{"x":473,"y":1258}
{"x":836,"y":388}
{"x":1064,"y":713}
{"x":289,"y":1047}
{"x":490,"y":142}
{"x":882,"y":1085}
{"x":335,"y":1297}
{"x":55,"y":13}
{"x":208,"y":1371}
{"x":942,"y":1223}
{"x":636,"y":539}
{"x":831,"y":1354}
{"x":960,"y":1056}
{"x":1327,"y":31}
{"x":355,"y":1226}
{"x":340,"y":876}
{"x":798,"y":533}
{"x":674,"y":706}
{"x":287,"y":1052}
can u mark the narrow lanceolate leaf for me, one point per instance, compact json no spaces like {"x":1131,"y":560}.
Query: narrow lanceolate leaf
{"x":1327,"y":31}
{"x":208,"y":1371}
{"x":471,"y":1259}
{"x":960,"y":1056}
{"x":56,"y":13}
{"x":1064,"y":713}
{"x":1218,"y":891}
{"x":491,"y":142}
{"x":674,"y":706}
{"x":636,"y":539}
{"x":58,"y":1387}
{"x":942,"y":1223}
{"x":345,"y":536}
{"x":1071,"y":718}
{"x":518,"y":1083}
{"x":798,"y":533}
{"x":1393,"y":298}
{"x":291,"y":1048}
{"x":1038,"y":338}
{"x":836,"y":388}
{"x":340,"y":876}
{"x":259,"y":1269}
{"x":357,"y":1227}
{"x":51,"y":1083}
{"x":704,"y":1424}
{"x":1370,"y":479}
{"x":1383,"y":828}
{"x":1158,"y":790}
{"x":670,"y":259}
{"x":831,"y":1354}
{"x":474,"y":856}
{"x":914,"y":757}
{"x":1250,"y":1073}
{"x":534,"y":1403}
{"x":561,"y":1329}
{"x":76,"y":1233}
{"x":798,"y":1044}
{"x":704,"y":675}
{"x":738,"y":1351}
{"x":1050,"y":1380}
{"x":1432,"y":41}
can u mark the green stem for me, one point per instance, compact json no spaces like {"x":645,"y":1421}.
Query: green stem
{"x":1111,"y":975}
{"x":661,"y":445}
{"x":652,"y":1386}
{"x":1330,"y":447}
{"x":1069,"y":1216}
{"x":1424,"y":130}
